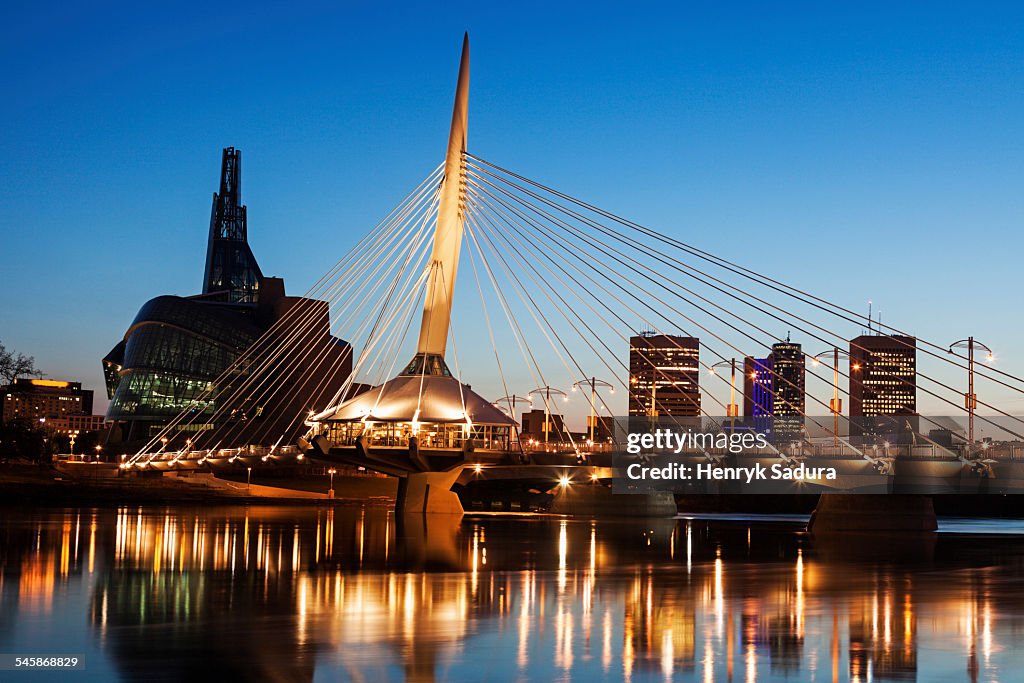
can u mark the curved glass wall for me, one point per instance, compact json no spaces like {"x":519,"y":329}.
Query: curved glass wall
{"x":171,"y":355}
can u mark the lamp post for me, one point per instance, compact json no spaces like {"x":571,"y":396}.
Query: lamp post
{"x":99,"y":449}
{"x":835,"y":404}
{"x":248,"y":478}
{"x":330,"y":492}
{"x":546,"y":392}
{"x":971,"y":398}
{"x":732,"y":409}
{"x":593,"y":383}
{"x":511,"y":402}
{"x":74,"y":435}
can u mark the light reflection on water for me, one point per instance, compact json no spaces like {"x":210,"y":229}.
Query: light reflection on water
{"x":292,"y":594}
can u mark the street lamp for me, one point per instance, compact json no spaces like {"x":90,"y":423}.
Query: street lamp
{"x":546,"y":392}
{"x":330,"y":493}
{"x":732,"y":409}
{"x":74,"y":435}
{"x":511,"y":402}
{"x":971,"y":398}
{"x":593,"y":383}
{"x":248,"y":478}
{"x":98,"y":449}
{"x":835,"y":404}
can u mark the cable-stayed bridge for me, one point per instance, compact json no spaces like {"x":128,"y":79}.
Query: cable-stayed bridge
{"x":551,"y":291}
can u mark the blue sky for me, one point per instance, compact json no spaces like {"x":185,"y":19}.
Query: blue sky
{"x":790,"y":139}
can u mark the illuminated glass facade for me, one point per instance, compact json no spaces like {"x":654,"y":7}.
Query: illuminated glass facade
{"x":758,"y":387}
{"x":664,"y":375}
{"x":790,"y":378}
{"x":171,"y":355}
{"x":774,"y":390}
{"x":883,"y":376}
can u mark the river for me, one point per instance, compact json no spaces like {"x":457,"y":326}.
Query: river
{"x":350,"y":594}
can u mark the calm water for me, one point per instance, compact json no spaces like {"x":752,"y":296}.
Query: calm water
{"x":284,"y":594}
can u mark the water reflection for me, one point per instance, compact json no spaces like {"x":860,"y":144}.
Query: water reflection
{"x":287,"y":594}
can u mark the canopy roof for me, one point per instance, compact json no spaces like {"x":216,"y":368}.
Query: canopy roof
{"x":439,"y":399}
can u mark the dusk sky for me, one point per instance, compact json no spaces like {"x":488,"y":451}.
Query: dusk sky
{"x":791,"y":140}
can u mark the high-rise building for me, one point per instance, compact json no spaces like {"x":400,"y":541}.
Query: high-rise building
{"x":790,"y":379}
{"x":883,"y":376}
{"x":773,"y":390}
{"x":664,"y":375}
{"x":790,"y":389}
{"x":758,"y":387}
{"x":175,"y":353}
{"x":34,"y":400}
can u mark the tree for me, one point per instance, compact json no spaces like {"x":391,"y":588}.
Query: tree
{"x":14,"y":366}
{"x":21,"y":439}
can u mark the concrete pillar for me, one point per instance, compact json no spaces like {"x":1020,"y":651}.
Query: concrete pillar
{"x":429,"y":492}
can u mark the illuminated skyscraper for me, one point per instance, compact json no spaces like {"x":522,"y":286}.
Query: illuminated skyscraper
{"x":789,"y":389}
{"x":758,"y":387}
{"x":789,"y":376}
{"x":664,"y":375}
{"x":883,"y":376}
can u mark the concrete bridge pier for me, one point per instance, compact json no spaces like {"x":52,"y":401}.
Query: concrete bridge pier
{"x":851,"y":512}
{"x":429,"y":492}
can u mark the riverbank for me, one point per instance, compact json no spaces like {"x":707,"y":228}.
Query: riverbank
{"x":99,"y":485}
{"x":83,"y":484}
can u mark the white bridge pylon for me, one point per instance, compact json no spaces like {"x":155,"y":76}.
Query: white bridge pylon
{"x":444,"y":257}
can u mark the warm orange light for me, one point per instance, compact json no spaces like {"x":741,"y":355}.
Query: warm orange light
{"x":50,"y":383}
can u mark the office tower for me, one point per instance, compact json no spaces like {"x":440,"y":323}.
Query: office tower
{"x":789,"y":390}
{"x":883,"y":376}
{"x":664,"y":375}
{"x":38,"y":400}
{"x":758,"y":394}
{"x":789,"y":379}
